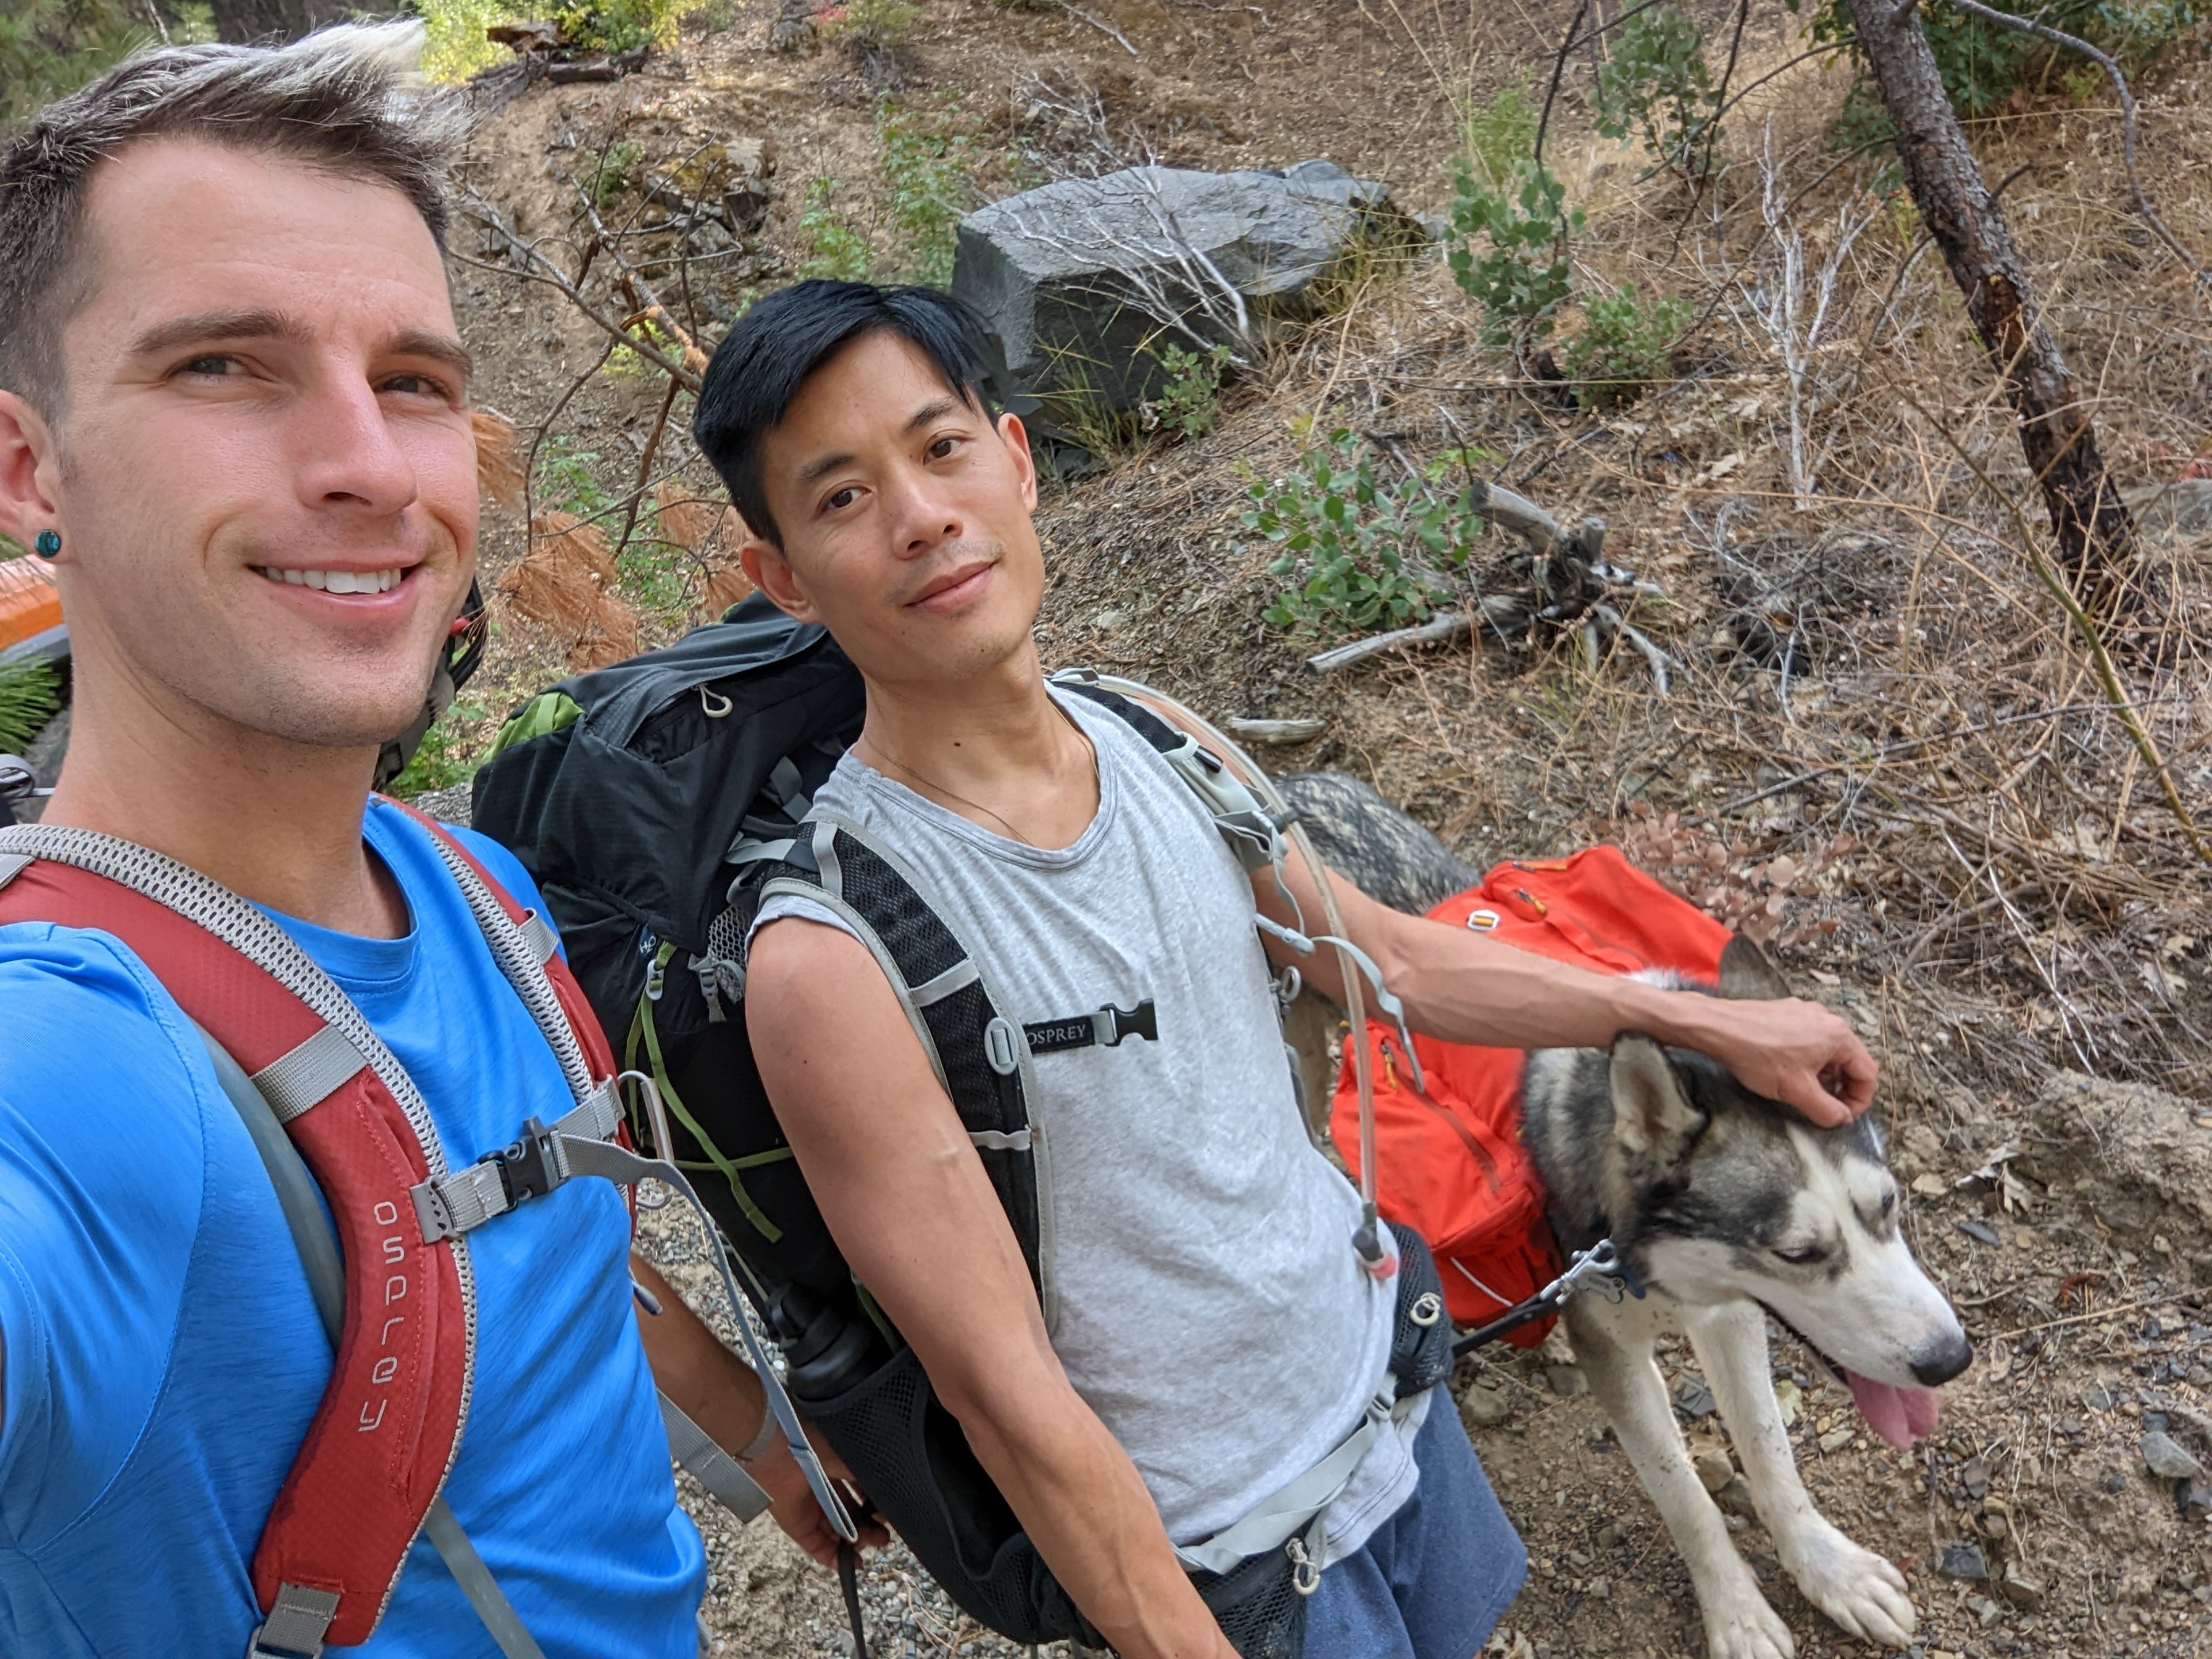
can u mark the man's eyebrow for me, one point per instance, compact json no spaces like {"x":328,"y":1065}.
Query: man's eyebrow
{"x":823,"y":467}
{"x":935,"y":411}
{"x":438,"y":348}
{"x":209,"y":327}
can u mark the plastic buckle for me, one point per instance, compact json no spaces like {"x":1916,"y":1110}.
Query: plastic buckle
{"x":1112,"y":1023}
{"x":534,"y":1166}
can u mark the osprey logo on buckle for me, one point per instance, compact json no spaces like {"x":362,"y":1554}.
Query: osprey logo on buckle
{"x":1103,"y":1030}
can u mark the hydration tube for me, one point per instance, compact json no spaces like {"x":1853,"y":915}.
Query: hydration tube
{"x":1368,"y":1241}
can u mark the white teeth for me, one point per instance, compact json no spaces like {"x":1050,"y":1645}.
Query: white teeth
{"x":337,"y":581}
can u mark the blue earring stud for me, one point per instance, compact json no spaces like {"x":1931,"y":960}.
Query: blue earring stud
{"x":48,"y":544}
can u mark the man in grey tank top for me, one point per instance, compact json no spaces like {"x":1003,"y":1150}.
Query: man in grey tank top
{"x":1207,"y":1334}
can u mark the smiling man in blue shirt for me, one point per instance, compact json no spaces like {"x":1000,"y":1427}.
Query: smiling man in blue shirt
{"x":233,"y":416}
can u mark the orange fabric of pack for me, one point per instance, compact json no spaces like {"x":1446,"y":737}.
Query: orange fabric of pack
{"x":1450,"y":1164}
{"x":30,"y":603}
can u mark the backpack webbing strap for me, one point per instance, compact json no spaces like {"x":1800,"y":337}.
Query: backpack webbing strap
{"x":296,"y":1625}
{"x":982,"y":1059}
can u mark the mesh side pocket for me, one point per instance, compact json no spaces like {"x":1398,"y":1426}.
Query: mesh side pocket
{"x":1258,"y":1607}
{"x":907,"y":1453}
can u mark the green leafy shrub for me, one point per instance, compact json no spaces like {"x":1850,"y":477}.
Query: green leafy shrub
{"x":615,"y":173}
{"x":1499,"y":132}
{"x":835,"y":247}
{"x":1369,"y":553}
{"x":1189,"y":402}
{"x":1983,"y":64}
{"x":1626,"y":344}
{"x":1656,"y":83}
{"x":567,"y":480}
{"x":1508,"y":250}
{"x":928,"y":163}
{"x":877,"y":28}
{"x":442,"y":759}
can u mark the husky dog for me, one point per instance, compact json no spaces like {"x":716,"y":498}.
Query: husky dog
{"x":1727,"y":1208}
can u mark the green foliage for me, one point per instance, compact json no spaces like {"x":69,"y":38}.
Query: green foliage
{"x":50,"y":47}
{"x":567,"y":481}
{"x":623,"y":361}
{"x":1508,"y":245}
{"x":1499,"y":132}
{"x":442,"y":759}
{"x":1626,"y":344}
{"x":455,"y":47}
{"x":1189,"y":402}
{"x":835,"y":247}
{"x":656,"y":575}
{"x":616,"y":173}
{"x":1369,"y":552}
{"x":1984,"y":65}
{"x":928,"y":169}
{"x":30,"y":696}
{"x":1656,"y":83}
{"x":873,"y":26}
{"x":618,"y":26}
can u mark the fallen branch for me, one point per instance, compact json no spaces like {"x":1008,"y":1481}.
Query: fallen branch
{"x":645,"y":469}
{"x":1100,"y":24}
{"x":1445,"y":625}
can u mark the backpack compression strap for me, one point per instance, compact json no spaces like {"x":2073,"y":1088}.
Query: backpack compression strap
{"x":384,"y":1437}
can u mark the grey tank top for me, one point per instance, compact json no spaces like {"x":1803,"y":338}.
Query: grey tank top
{"x":1207,"y":1304}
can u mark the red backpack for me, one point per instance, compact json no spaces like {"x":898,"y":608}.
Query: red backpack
{"x":1449,"y":1162}
{"x":290,"y":1048}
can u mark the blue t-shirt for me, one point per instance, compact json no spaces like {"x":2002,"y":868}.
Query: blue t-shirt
{"x":163,"y":1358}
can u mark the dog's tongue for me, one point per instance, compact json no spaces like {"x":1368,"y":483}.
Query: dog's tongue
{"x":1900,"y":1416}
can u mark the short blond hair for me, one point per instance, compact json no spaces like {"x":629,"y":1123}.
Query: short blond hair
{"x":347,"y":100}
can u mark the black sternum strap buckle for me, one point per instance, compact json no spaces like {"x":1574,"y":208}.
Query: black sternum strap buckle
{"x":534,"y":1165}
{"x":1104,"y":1029}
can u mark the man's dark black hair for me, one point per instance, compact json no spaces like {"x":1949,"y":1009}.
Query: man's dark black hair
{"x":761,"y":365}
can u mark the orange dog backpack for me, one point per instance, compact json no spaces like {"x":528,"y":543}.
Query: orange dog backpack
{"x":1449,"y":1162}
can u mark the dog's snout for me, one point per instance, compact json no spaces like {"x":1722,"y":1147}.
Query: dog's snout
{"x":1942,"y":1359}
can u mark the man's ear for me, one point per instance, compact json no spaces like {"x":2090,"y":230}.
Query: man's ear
{"x":26,"y":472}
{"x":1748,"y":975}
{"x":1016,"y":437}
{"x":771,"y":573}
{"x":1651,"y":1115}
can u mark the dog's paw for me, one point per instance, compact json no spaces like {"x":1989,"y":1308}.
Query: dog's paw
{"x":1853,"y":1586}
{"x":1739,"y":1625}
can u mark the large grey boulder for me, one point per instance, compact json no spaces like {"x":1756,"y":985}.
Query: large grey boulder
{"x":1081,"y":278}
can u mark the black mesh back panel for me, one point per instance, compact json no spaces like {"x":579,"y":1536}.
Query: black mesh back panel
{"x":908,"y":1453}
{"x":1259,"y":1608}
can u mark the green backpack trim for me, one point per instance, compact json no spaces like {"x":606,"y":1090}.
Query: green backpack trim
{"x":541,"y":717}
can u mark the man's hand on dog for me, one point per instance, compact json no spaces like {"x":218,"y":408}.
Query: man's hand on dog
{"x":1796,"y":1052}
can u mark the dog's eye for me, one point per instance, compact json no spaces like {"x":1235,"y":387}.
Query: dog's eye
{"x":1805,"y":1257}
{"x":1888,"y":1202}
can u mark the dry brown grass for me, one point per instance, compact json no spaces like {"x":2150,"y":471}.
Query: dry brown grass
{"x":565,"y":585}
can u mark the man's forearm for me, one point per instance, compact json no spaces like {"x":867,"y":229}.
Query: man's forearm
{"x":709,"y":1384}
{"x":1082,"y":1503}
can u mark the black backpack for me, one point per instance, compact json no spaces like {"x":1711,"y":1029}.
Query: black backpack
{"x":652,"y":802}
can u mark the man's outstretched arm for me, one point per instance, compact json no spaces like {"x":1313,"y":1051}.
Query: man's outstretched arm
{"x":907,"y":1200}
{"x":1464,"y":987}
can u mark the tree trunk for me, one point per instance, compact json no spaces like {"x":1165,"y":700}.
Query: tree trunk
{"x":268,"y":22}
{"x":2094,"y":531}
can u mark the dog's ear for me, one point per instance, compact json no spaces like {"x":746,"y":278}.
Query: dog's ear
{"x":1651,"y":1113}
{"x":1748,"y":975}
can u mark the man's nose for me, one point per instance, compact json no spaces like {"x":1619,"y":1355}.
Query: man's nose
{"x":345,"y":450}
{"x":922,"y":517}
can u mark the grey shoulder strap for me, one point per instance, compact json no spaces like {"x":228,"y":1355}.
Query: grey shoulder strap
{"x":318,"y":1245}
